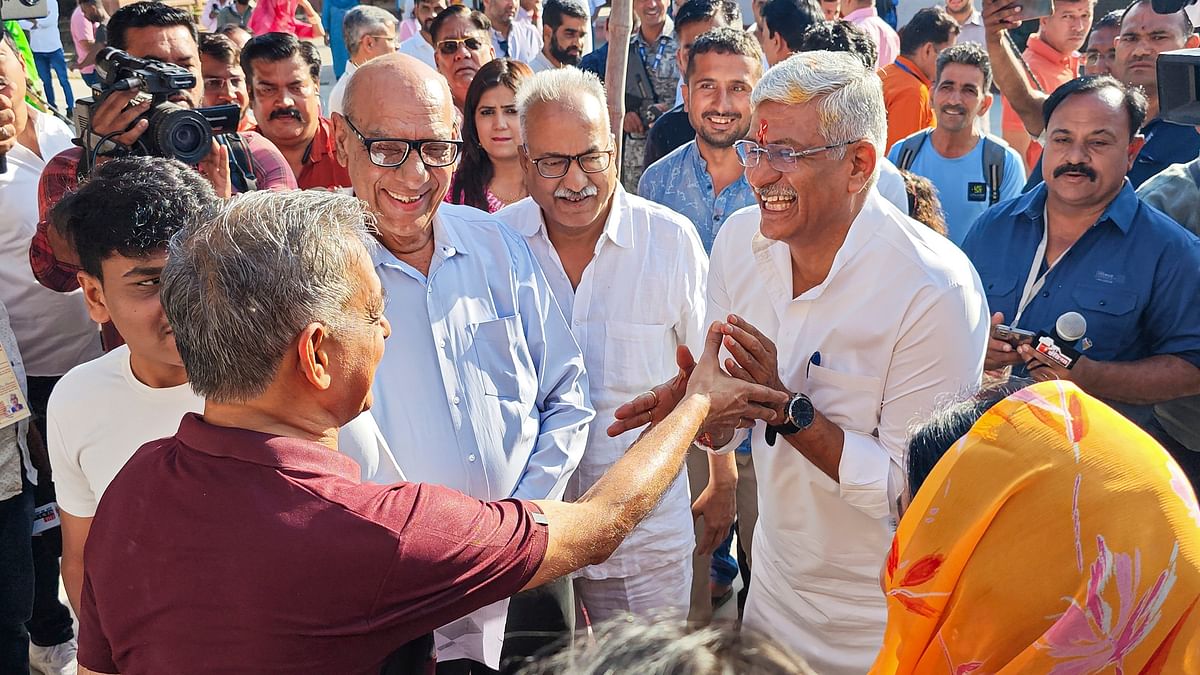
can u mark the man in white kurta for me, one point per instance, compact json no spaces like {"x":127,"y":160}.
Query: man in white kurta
{"x":629,"y":277}
{"x":872,"y":317}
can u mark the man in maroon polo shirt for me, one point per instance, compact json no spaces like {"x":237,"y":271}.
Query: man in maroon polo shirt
{"x":246,"y":543}
{"x":284,"y":74}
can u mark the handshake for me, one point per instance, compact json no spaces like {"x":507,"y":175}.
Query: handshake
{"x":750,"y":390}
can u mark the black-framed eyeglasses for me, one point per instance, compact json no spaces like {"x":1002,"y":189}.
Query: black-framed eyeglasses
{"x":782,"y":158}
{"x":557,"y":166}
{"x":391,"y":152}
{"x":449,"y":46}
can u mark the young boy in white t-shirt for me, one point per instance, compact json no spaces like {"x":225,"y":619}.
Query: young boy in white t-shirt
{"x":101,"y":412}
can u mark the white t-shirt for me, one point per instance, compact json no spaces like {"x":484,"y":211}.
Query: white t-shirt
{"x":338,"y":93}
{"x":53,"y":329}
{"x":44,"y":38}
{"x":100,"y":414}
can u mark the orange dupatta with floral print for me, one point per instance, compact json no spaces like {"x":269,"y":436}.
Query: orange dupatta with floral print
{"x":1055,"y":537}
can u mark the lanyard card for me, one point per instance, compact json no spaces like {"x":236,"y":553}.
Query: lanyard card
{"x":13,"y":406}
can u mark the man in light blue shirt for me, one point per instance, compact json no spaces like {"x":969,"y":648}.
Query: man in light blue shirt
{"x":955,"y":155}
{"x":481,"y":358}
{"x":702,"y":179}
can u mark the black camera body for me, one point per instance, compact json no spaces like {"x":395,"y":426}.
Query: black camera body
{"x":175,"y":131}
{"x":1179,"y":86}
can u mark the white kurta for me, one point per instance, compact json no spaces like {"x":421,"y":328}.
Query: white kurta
{"x":900,"y":320}
{"x":640,"y":297}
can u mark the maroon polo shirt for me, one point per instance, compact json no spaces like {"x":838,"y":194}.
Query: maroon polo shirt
{"x":226,"y":550}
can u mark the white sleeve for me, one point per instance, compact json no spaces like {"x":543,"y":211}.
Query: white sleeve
{"x":72,"y":489}
{"x":891,"y":185}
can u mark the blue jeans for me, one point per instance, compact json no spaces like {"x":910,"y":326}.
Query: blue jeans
{"x":91,"y":79}
{"x":45,"y":61}
{"x":724,"y":566}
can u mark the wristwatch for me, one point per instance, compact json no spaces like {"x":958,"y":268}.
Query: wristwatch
{"x":798,"y":415}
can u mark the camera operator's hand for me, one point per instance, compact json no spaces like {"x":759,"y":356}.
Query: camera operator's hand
{"x":1042,"y":368}
{"x":633,"y":123}
{"x":8,"y":125}
{"x":115,"y":114}
{"x":1000,"y":353}
{"x":215,"y":167}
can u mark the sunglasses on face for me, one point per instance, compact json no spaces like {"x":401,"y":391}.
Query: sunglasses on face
{"x":450,"y":46}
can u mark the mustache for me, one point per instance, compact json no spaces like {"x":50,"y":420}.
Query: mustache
{"x":1076,"y":168}
{"x":954,"y":109}
{"x":567,"y":193}
{"x":287,"y":112}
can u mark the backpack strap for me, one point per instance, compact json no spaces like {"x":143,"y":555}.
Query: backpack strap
{"x":909,"y":148}
{"x":994,"y":158}
{"x":241,"y":164}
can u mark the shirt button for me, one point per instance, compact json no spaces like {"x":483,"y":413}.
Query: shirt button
{"x":429,"y":290}
{"x":455,"y":400}
{"x":1045,"y":294}
{"x":1103,"y":303}
{"x":578,"y":322}
{"x":442,"y":343}
{"x":471,"y":458}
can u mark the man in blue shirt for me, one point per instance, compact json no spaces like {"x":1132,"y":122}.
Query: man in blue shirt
{"x":704,"y":181}
{"x":484,"y":381}
{"x":1083,"y":242}
{"x":955,"y":155}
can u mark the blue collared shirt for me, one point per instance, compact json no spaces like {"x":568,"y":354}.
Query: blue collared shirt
{"x":482,"y":386}
{"x":680,"y":181}
{"x":1135,"y":277}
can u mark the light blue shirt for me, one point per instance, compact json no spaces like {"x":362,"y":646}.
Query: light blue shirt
{"x":960,"y":182}
{"x":680,"y":181}
{"x":482,"y":386}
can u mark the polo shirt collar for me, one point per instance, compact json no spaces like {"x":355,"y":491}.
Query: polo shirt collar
{"x":667,"y":31}
{"x":618,"y":227}
{"x":1045,"y":51}
{"x":1121,"y":211}
{"x":264,"y":449}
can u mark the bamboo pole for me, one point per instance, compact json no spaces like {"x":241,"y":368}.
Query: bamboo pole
{"x":620,"y":28}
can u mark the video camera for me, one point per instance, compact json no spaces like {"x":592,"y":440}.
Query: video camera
{"x":175,"y":131}
{"x":1178,"y":82}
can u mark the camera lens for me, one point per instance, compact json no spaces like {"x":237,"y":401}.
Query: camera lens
{"x":180,"y":133}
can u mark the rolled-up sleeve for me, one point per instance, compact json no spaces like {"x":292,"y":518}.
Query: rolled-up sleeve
{"x":563,"y":404}
{"x":940,"y":351}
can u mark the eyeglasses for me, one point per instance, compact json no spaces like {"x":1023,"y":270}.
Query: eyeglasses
{"x":557,"y":166}
{"x":394,"y":39}
{"x":223,"y":82}
{"x":782,"y":158}
{"x":449,"y":46}
{"x":392,"y":152}
{"x":1094,"y":58}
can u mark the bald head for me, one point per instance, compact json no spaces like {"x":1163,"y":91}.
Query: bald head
{"x":417,"y":84}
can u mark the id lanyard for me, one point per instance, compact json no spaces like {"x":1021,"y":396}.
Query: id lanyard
{"x":662,"y":47}
{"x":1035,"y":281}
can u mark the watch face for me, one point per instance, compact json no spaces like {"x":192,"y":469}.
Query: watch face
{"x":801,"y":411}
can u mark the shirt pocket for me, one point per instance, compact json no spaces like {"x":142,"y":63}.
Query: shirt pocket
{"x":633,"y":356}
{"x":850,"y":401}
{"x":1000,"y":290}
{"x":1112,"y":319}
{"x":502,"y":358}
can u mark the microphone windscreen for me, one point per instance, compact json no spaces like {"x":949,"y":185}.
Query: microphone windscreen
{"x":1071,"y":326}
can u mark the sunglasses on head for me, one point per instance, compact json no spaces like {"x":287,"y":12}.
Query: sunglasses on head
{"x":449,"y":46}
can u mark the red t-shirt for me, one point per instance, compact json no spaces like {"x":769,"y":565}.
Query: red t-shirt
{"x":320,"y":168}
{"x":226,"y":550}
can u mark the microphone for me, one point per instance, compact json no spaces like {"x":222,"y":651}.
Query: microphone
{"x":1070,"y":328}
{"x":1060,"y":346}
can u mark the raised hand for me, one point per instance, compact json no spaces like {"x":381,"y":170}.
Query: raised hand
{"x":732,"y":400}
{"x":657,"y":403}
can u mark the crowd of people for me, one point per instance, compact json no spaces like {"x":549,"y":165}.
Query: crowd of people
{"x":441,"y":372}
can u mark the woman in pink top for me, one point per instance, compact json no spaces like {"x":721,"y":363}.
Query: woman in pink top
{"x":279,"y":16}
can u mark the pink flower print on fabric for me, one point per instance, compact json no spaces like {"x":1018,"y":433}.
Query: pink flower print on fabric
{"x":1089,"y":638}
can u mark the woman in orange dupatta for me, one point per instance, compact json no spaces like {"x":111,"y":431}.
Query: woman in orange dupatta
{"x":1055,"y":537}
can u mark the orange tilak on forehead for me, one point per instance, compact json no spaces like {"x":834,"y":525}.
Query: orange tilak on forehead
{"x":762,"y":132}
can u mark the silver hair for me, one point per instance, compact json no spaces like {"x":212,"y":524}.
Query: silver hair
{"x":240,"y":286}
{"x":559,"y":85}
{"x":363,"y":20}
{"x":849,"y":97}
{"x":662,"y":646}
